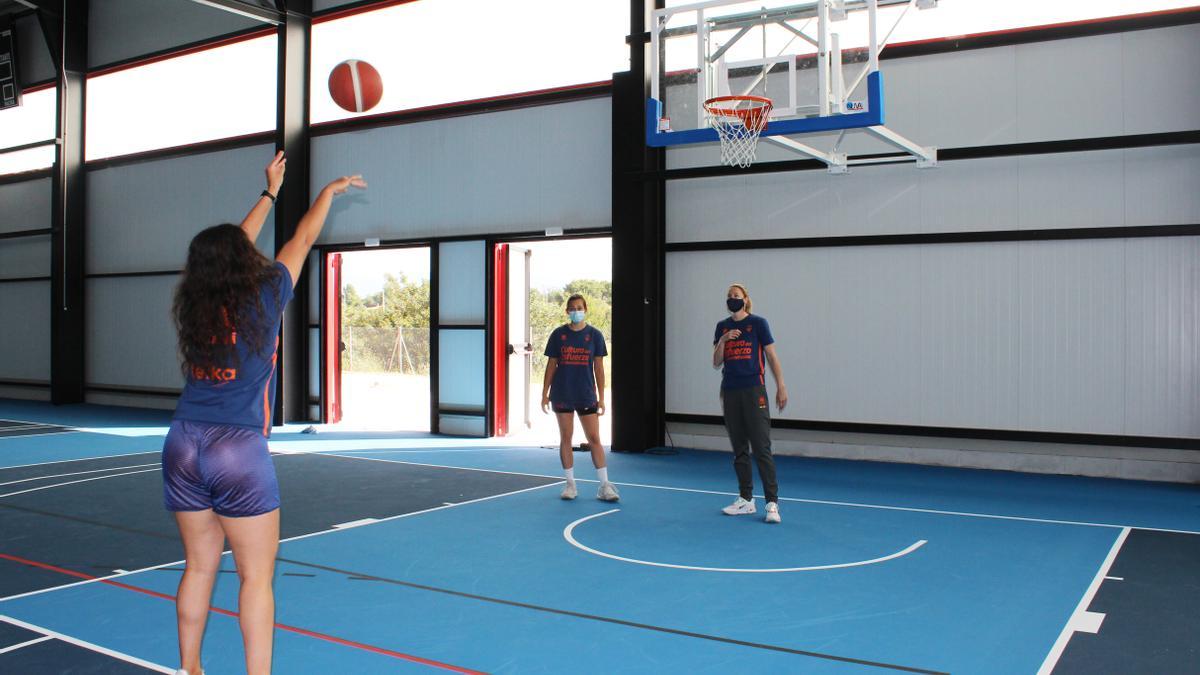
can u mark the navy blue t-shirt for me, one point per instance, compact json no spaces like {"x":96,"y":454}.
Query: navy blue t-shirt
{"x":574,"y":382}
{"x":244,"y":395}
{"x":745,"y":362}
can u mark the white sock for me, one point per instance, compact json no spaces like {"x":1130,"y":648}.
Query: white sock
{"x":570,"y":475}
{"x":602,"y":474}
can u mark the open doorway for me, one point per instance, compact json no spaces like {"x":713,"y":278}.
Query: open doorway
{"x":537,"y":277}
{"x":384,"y":338}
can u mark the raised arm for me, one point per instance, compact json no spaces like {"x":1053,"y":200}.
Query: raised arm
{"x":293,"y":253}
{"x":253,"y":222}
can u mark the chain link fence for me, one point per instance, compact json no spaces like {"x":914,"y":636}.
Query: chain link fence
{"x":385,"y":350}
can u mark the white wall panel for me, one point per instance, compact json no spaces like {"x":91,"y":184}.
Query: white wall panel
{"x":1143,"y":186}
{"x":518,"y":170}
{"x":25,"y":257}
{"x":1162,"y":367}
{"x":462,"y":266}
{"x":1085,"y":189}
{"x":461,"y":370}
{"x":25,"y":335}
{"x":1068,"y":88}
{"x":130,"y":338}
{"x":1162,"y":185}
{"x":122,"y":29}
{"x":1159,"y":79}
{"x":141,"y":216}
{"x":26,"y":205}
{"x":1072,"y":309}
{"x":1089,"y":336}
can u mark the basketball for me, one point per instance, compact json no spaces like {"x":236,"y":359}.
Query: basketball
{"x":355,"y":85}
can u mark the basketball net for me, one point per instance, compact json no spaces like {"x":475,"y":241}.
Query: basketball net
{"x":738,"y":121}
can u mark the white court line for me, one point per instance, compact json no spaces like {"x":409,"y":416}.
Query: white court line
{"x":302,"y":536}
{"x":80,"y":459}
{"x":569,"y":536}
{"x":964,"y":514}
{"x":78,"y":473}
{"x":89,"y":645}
{"x":73,"y":482}
{"x":13,"y":648}
{"x":1079,"y":619}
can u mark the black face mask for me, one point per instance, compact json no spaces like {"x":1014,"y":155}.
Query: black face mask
{"x":735,"y":305}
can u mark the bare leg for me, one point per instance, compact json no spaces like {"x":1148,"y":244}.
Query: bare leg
{"x":591,"y":428}
{"x":255,"y":541}
{"x":203,"y":541}
{"x":566,"y":432}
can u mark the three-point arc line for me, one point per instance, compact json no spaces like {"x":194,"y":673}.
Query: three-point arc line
{"x":568,"y":534}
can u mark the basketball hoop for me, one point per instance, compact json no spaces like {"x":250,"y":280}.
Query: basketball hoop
{"x":738,"y":121}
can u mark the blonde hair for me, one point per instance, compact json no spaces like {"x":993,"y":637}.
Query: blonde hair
{"x":745,"y":294}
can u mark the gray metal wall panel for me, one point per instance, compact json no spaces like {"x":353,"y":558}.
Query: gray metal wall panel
{"x":122,"y":29}
{"x":131,"y":341}
{"x":142,"y":216}
{"x":1143,"y":186}
{"x":1092,"y":336}
{"x":1162,"y":185}
{"x":1103,"y":85}
{"x":1159,"y":79}
{"x":1162,"y":366}
{"x":25,"y":338}
{"x":26,"y":205}
{"x":1072,"y":308}
{"x":35,"y":64}
{"x":25,"y":257}
{"x":517,"y":170}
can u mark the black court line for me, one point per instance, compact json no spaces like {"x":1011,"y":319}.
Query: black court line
{"x":359,"y":576}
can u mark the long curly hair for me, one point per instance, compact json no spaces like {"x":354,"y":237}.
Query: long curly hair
{"x":218,"y":299}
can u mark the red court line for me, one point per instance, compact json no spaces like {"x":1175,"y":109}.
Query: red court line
{"x":226,"y":612}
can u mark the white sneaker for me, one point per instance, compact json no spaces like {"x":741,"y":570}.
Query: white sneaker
{"x":772,"y":513}
{"x":741,"y":507}
{"x":608,"y":493}
{"x":569,"y":492}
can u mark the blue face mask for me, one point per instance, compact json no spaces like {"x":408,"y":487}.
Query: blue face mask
{"x":577,"y":316}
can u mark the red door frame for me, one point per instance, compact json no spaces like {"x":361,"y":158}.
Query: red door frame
{"x":500,"y":340}
{"x":331,"y":340}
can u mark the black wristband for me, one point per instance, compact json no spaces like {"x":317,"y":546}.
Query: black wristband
{"x":268,"y":195}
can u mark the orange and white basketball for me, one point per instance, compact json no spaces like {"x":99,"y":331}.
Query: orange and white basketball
{"x":355,"y":85}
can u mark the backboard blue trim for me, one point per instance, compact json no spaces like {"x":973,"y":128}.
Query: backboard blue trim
{"x":872,"y":117}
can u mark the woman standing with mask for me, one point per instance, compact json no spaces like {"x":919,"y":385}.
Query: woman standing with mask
{"x":574,"y":385}
{"x":741,"y":345}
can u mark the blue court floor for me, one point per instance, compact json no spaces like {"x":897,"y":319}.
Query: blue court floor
{"x":410,"y":553}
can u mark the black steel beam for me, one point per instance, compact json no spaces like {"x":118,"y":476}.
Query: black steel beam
{"x":255,"y":11}
{"x":638,"y":220}
{"x":66,"y":28}
{"x":292,"y":136}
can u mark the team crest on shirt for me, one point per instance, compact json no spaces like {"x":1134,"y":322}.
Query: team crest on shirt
{"x":750,"y":328}
{"x":563,"y":337}
{"x":587,"y":338}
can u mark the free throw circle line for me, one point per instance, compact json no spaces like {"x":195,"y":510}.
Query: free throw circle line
{"x":569,"y":536}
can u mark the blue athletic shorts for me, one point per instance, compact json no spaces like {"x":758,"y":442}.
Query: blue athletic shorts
{"x":218,"y":466}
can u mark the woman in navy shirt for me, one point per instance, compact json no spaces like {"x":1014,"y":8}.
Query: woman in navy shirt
{"x":574,"y":385}
{"x":218,"y":478}
{"x":742,"y":344}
